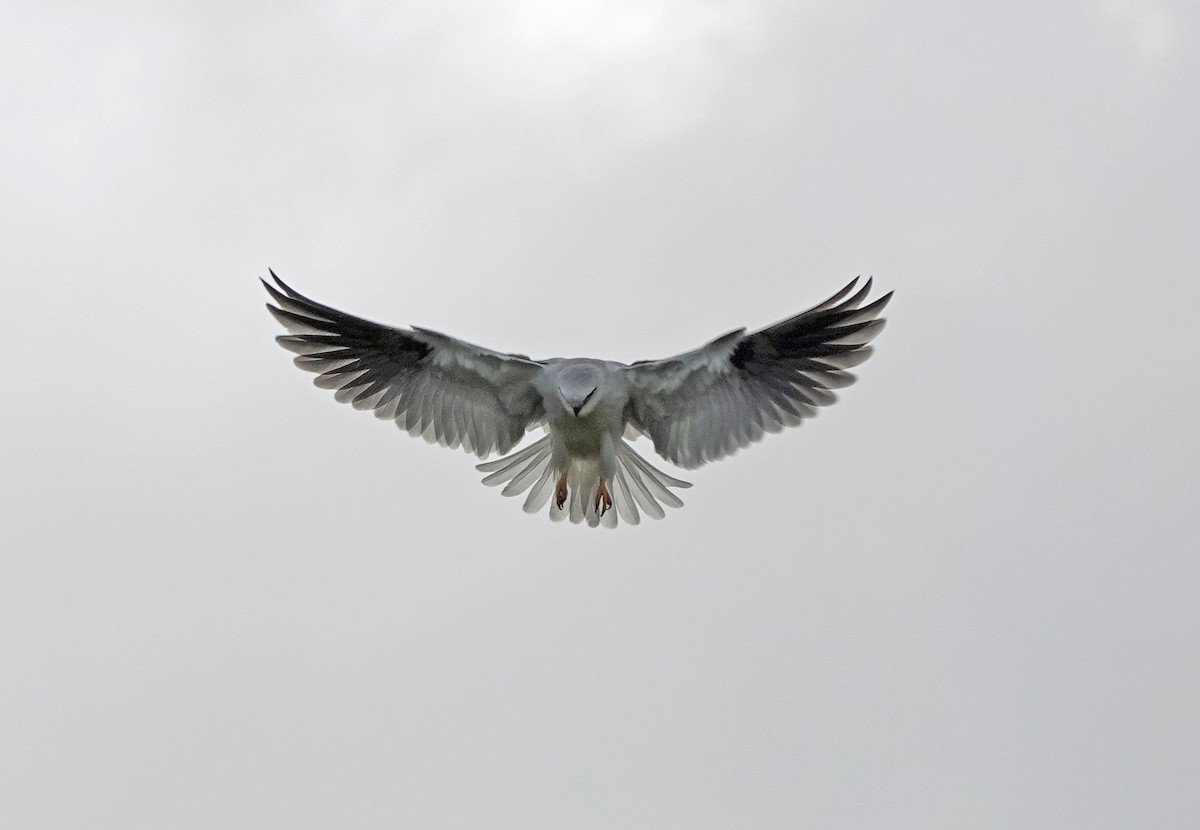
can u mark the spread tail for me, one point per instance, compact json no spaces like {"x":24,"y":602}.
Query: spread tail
{"x":637,"y":487}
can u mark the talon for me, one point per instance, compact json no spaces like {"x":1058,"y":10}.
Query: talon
{"x":603,"y":498}
{"x":560,"y":491}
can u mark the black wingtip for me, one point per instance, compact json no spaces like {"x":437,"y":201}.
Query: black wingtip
{"x":274,"y":289}
{"x":276,"y":295}
{"x":287,"y":289}
{"x":270,"y":290}
{"x":291,"y":294}
{"x":837,"y":298}
{"x":882,"y":302}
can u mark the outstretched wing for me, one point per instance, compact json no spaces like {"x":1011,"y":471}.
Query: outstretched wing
{"x":435,"y":386}
{"x":705,"y":404}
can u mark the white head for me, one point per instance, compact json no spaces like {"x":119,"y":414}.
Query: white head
{"x":579,"y":386}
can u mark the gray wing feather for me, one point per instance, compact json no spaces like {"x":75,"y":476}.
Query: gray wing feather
{"x":431,"y":385}
{"x":708,"y":403}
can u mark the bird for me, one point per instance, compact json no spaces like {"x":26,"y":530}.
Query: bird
{"x":696,"y":407}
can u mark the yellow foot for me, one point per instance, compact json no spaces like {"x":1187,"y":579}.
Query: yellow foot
{"x":603,"y":498}
{"x":560,"y":491}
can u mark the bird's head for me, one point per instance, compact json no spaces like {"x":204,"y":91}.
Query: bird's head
{"x":581,"y":386}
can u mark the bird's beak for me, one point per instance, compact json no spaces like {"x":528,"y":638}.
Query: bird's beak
{"x":583,"y":403}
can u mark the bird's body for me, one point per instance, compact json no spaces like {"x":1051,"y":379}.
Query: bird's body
{"x":696,"y":407}
{"x":585,"y":402}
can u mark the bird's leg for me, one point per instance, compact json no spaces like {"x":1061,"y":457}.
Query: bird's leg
{"x":560,"y":491}
{"x":603,"y":498}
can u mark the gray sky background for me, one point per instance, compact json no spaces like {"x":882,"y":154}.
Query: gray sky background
{"x":963,"y":597}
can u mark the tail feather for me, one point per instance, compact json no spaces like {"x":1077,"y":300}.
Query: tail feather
{"x":502,"y":469}
{"x":539,"y":494}
{"x":641,"y":495}
{"x":534,"y":468}
{"x":579,"y":476}
{"x":623,"y":499}
{"x":637,"y":487}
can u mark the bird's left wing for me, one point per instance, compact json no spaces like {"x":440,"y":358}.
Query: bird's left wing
{"x":435,"y":386}
{"x":705,"y":404}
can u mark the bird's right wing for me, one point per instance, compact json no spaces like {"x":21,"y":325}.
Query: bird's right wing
{"x":435,"y":386}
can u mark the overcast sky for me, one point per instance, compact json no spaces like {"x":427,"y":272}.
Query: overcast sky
{"x":966,"y":596}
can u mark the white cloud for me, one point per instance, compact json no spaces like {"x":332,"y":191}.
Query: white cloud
{"x":642,"y":68}
{"x":1150,"y":26}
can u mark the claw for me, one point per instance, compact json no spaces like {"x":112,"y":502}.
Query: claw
{"x":560,"y":491}
{"x":603,"y":498}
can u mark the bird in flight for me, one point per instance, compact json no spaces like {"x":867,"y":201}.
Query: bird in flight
{"x":696,"y":407}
